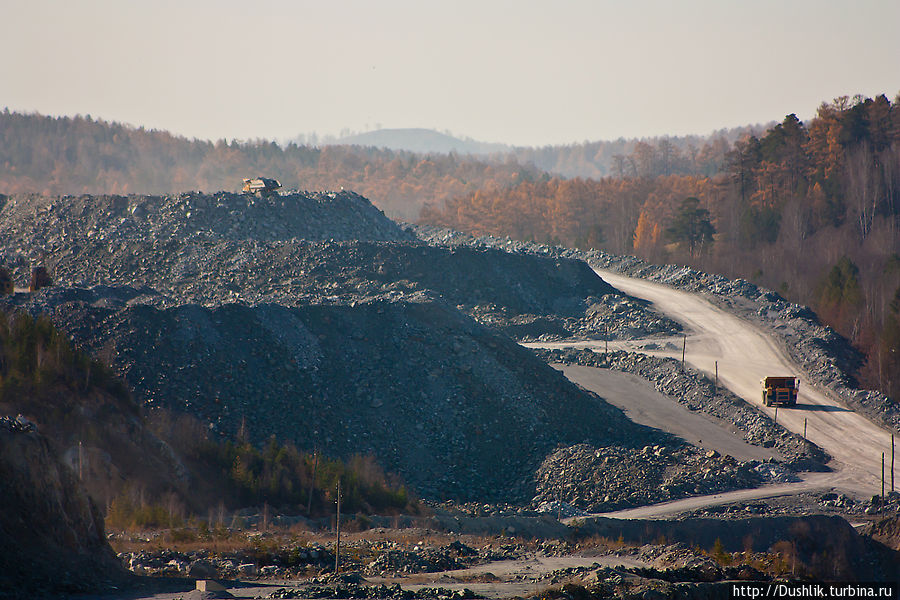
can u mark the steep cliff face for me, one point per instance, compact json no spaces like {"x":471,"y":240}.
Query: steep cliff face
{"x":51,"y":535}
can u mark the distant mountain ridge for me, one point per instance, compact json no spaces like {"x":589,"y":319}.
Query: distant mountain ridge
{"x":421,"y":141}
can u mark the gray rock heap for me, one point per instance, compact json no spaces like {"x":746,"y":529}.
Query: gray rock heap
{"x":212,"y":305}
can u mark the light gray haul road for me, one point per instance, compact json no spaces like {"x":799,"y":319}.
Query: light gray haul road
{"x":745,"y":355}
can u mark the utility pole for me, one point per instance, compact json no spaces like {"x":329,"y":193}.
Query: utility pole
{"x":683,"y":348}
{"x":337,"y":546}
{"x":606,"y":338}
{"x":776,"y":414}
{"x":892,"y":462}
{"x":804,"y":428}
{"x":312,"y":483}
{"x":882,"y":476}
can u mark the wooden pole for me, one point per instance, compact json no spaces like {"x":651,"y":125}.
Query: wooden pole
{"x":804,"y":428}
{"x":337,"y":547}
{"x":717,"y":378}
{"x":776,"y":414}
{"x":312,"y":483}
{"x":892,"y":462}
{"x":683,"y":348}
{"x":606,"y":339}
{"x":882,"y":475}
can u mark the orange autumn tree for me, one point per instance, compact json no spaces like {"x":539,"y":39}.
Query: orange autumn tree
{"x":647,"y":236}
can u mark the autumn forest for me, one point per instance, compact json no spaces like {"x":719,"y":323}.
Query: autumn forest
{"x":809,"y":209}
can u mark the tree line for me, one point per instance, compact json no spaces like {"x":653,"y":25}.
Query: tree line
{"x":80,"y":155}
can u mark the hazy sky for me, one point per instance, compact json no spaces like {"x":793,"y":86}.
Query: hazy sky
{"x":525,"y":73}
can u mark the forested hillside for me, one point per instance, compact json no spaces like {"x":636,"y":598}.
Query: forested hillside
{"x":809,"y":209}
{"x":80,"y":155}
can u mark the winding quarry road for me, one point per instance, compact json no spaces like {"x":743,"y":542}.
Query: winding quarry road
{"x":745,"y":355}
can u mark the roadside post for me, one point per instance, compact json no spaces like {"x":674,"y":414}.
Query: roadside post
{"x":716,"y":390}
{"x":312,"y":483}
{"x":337,"y":546}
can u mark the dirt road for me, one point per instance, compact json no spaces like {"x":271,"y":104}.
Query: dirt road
{"x":811,"y":482}
{"x":745,"y":355}
{"x":643,"y":404}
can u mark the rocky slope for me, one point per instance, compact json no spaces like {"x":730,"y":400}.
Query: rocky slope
{"x":51,"y":534}
{"x":48,"y":224}
{"x":302,"y":249}
{"x":611,"y":478}
{"x":213,"y":305}
{"x":526,"y":296}
{"x":458,"y":409}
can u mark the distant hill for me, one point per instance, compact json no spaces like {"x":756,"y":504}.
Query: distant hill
{"x":421,"y":141}
{"x":691,"y":154}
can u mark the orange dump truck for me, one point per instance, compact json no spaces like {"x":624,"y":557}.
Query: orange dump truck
{"x":780,"y":390}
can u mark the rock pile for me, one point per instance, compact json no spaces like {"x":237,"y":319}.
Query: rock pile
{"x":381,"y":592}
{"x":303,"y":248}
{"x":611,"y":478}
{"x":50,"y":224}
{"x":209,"y":304}
{"x":293,"y":562}
{"x":424,"y":560}
{"x":529,"y":297}
{"x":19,"y":424}
{"x":289,"y":562}
{"x":457,"y":409}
